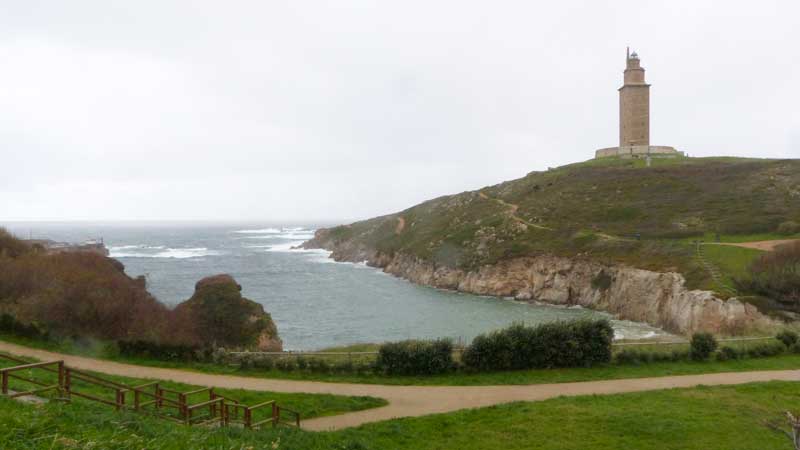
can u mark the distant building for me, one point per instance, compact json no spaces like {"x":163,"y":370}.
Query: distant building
{"x":53,"y":247}
{"x":634,"y":117}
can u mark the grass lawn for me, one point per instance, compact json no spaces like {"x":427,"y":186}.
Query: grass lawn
{"x":535,"y":376}
{"x":732,"y":262}
{"x":703,"y":418}
{"x":308,"y":405}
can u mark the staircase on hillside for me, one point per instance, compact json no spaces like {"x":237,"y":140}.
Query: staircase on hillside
{"x":715,"y":273}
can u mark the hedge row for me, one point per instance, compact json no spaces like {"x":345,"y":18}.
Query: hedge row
{"x":581,"y":343}
{"x":414,"y":357}
{"x":164,"y":352}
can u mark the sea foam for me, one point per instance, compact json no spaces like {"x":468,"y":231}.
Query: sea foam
{"x":176,"y":253}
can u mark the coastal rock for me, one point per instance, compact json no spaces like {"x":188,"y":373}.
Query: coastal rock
{"x":656,"y":298}
{"x":218,"y":315}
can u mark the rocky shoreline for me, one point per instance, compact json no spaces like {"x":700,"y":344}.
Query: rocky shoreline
{"x":659,"y":299}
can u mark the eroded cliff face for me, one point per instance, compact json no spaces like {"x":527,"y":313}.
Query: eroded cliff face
{"x":656,"y":298}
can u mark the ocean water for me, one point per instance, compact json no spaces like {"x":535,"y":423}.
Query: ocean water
{"x":315,"y":302}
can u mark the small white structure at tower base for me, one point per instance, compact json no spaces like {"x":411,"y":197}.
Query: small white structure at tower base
{"x":639,"y":151}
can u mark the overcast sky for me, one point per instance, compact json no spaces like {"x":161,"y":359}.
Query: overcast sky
{"x":308,"y":110}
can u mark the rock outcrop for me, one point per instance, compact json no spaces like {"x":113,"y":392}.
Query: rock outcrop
{"x":656,"y":298}
{"x":219,"y":315}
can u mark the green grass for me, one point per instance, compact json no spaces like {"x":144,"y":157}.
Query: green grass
{"x":702,"y":418}
{"x":732,"y":262}
{"x":308,"y":405}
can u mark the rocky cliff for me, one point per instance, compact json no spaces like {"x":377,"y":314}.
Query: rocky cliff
{"x":657,"y":298}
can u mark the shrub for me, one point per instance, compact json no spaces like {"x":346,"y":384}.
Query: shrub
{"x":762,"y":350}
{"x":318,"y":365}
{"x":264,"y":362}
{"x":728,"y":353}
{"x":630,"y":357}
{"x":286,"y":364}
{"x":776,"y":274}
{"x":415,"y":357}
{"x":789,"y":227}
{"x":164,"y":352}
{"x":702,"y":346}
{"x":789,"y":338}
{"x":557,"y":344}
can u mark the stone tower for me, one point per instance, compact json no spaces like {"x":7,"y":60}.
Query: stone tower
{"x":634,"y":105}
{"x":634,"y":118}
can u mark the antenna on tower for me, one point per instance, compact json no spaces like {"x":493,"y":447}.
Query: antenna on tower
{"x":627,"y":53}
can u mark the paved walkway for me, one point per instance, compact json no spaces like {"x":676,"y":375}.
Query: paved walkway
{"x":405,"y":401}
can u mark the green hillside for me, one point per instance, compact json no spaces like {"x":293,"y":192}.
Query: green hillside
{"x":612,"y":210}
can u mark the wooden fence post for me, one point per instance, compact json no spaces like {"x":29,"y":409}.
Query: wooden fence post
{"x":248,"y":418}
{"x":68,"y":383}
{"x":61,"y":378}
{"x":182,"y":406}
{"x":275,"y":415}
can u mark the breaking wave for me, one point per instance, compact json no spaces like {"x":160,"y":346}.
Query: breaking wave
{"x":260,"y":231}
{"x":143,"y":251}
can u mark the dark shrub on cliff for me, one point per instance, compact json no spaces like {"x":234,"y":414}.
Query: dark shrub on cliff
{"x":702,"y":346}
{"x":218,"y":315}
{"x":79,"y":294}
{"x":11,"y":246}
{"x":415,"y":357}
{"x":559,"y":344}
{"x":776,"y":274}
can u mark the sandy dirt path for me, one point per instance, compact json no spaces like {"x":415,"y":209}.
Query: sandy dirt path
{"x":405,"y":401}
{"x":766,"y":246}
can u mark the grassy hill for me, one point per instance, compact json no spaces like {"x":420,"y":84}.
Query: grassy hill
{"x":613,"y":210}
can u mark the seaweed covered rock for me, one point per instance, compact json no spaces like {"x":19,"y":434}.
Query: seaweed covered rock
{"x":218,"y":315}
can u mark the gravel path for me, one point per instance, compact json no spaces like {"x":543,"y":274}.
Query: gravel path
{"x":405,"y":401}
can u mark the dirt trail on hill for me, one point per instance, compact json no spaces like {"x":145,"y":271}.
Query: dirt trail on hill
{"x":766,"y":246}
{"x":405,"y":401}
{"x":513,"y":211}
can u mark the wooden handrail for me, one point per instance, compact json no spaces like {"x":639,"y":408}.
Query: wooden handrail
{"x":260,"y":405}
{"x":98,"y":379}
{"x":219,"y":406}
{"x":29,"y":366}
{"x":204,"y":404}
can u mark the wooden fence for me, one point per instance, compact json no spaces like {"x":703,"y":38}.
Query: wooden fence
{"x":149,"y":398}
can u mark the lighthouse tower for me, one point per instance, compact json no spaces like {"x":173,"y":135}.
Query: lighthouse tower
{"x":634,"y":105}
{"x":634,"y":117}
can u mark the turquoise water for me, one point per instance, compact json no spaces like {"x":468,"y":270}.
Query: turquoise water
{"x":315,"y":301}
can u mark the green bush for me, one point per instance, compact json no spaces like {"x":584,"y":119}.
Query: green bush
{"x":702,"y":346}
{"x":632,"y":357}
{"x":558,"y":344}
{"x":160,"y":351}
{"x":789,"y":227}
{"x":414,"y":357}
{"x":762,"y":350}
{"x":728,"y":353}
{"x":9,"y":324}
{"x":286,"y":364}
{"x":318,"y":365}
{"x":789,"y":338}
